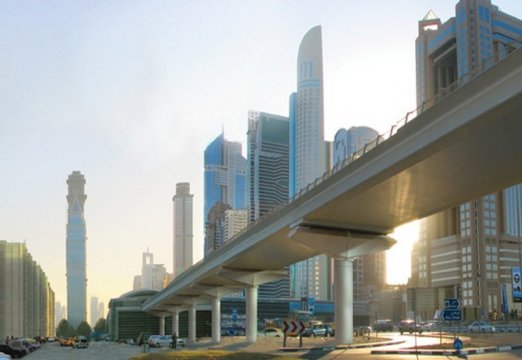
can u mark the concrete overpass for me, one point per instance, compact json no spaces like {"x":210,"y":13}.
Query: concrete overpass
{"x":465,"y":146}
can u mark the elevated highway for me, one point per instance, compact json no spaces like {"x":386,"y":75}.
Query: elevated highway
{"x":467,"y":145}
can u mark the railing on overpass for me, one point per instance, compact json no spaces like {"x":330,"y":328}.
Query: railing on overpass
{"x":410,"y":115}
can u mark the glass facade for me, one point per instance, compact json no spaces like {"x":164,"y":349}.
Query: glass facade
{"x":225,"y":184}
{"x":268,"y":171}
{"x":478,"y":238}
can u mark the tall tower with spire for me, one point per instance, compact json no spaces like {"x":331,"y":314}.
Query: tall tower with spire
{"x":75,"y":250}
{"x":307,"y":161}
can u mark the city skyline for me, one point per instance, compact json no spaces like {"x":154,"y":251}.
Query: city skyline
{"x":121,"y":94}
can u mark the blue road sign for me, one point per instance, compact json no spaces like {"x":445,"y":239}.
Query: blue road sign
{"x":451,"y":304}
{"x":452,"y":315}
{"x":457,"y":344}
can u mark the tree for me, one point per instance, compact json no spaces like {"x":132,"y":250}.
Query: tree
{"x":65,"y":329}
{"x":84,"y":329}
{"x":101,"y":326}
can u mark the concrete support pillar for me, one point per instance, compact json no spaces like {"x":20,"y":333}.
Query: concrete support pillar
{"x":216,"y":320}
{"x":251,"y":314}
{"x":175,"y":323}
{"x":192,"y":323}
{"x":343,"y":279}
{"x":162,"y":325}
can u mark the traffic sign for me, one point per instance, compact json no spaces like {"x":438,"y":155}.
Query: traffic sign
{"x":457,"y":344}
{"x":291,"y":326}
{"x":452,"y":315}
{"x":452,"y":304}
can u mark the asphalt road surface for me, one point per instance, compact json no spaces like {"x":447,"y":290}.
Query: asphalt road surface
{"x":97,"y":350}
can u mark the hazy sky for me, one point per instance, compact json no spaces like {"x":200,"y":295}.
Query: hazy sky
{"x":131,"y":92}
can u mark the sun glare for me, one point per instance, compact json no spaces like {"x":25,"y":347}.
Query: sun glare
{"x":398,"y":258}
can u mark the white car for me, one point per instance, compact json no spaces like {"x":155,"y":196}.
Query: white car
{"x":481,"y":326}
{"x":164,"y":340}
{"x":5,"y":356}
{"x":81,"y":342}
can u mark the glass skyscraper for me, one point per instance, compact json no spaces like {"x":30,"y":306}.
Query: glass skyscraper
{"x":268,"y":137}
{"x":468,"y":251}
{"x":347,"y":142}
{"x":447,"y":54}
{"x":225,"y":184}
{"x":75,"y":251}
{"x":309,"y":278}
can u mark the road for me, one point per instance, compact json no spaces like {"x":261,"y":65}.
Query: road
{"x":114,"y":351}
{"x":96,"y":350}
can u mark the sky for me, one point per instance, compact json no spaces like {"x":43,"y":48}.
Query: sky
{"x":131,"y":92}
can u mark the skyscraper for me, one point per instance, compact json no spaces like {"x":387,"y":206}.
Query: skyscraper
{"x":225,"y":185}
{"x":234,"y":222}
{"x":449,"y":53}
{"x":183,"y":233}
{"x":347,"y":142}
{"x":75,"y":250}
{"x":309,"y":278}
{"x":94,"y":311}
{"x":268,"y":153}
{"x":26,"y":297}
{"x":469,"y":250}
{"x":153,"y":276}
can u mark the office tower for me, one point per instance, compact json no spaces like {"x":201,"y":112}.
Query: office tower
{"x":268,"y":153}
{"x":467,"y":251}
{"x":449,"y":53}
{"x":347,"y":142}
{"x":59,"y":312}
{"x":225,"y":187}
{"x":26,"y":298}
{"x":136,"y":283}
{"x":75,"y":251}
{"x":215,"y":227}
{"x":234,"y":222}
{"x":153,"y":276}
{"x":101,"y":310}
{"x":183,"y":233}
{"x":309,"y":278}
{"x":369,"y":271}
{"x":94,"y":311}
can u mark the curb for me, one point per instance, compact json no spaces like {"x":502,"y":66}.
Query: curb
{"x":340,"y":347}
{"x":449,"y":353}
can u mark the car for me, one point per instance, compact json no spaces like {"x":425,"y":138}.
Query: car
{"x":428,"y":326}
{"x":81,"y":342}
{"x":272,"y":332}
{"x":383,"y":325}
{"x":409,"y":326}
{"x":66,"y":341}
{"x":362,"y":331}
{"x":14,"y":353}
{"x":160,"y":340}
{"x":5,"y":356}
{"x":319,"y":330}
{"x":481,"y":326}
{"x":180,"y":342}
